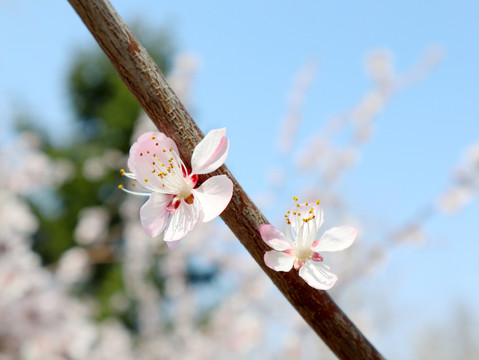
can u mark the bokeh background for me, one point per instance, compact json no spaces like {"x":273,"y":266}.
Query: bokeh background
{"x":370,"y":107}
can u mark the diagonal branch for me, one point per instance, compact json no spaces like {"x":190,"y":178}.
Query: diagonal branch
{"x":142,"y":76}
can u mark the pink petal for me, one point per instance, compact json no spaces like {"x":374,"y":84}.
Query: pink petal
{"x":153,"y":215}
{"x":317,"y":275}
{"x":274,"y":238}
{"x":210,"y":153}
{"x":148,"y":137}
{"x":152,"y":158}
{"x":182,"y":221}
{"x":337,"y":238}
{"x":172,"y":244}
{"x":213,"y":196}
{"x":279,"y":261}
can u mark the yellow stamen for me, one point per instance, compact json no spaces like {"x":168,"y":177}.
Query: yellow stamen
{"x":120,"y":186}
{"x":295,"y":198}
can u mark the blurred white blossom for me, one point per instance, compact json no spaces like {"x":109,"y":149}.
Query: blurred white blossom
{"x":92,"y":225}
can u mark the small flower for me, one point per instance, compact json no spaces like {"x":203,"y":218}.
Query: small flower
{"x":174,"y":204}
{"x":299,"y":247}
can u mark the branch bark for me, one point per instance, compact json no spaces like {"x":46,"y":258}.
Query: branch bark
{"x":144,"y":79}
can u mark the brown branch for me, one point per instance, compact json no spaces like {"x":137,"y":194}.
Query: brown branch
{"x":142,"y":76}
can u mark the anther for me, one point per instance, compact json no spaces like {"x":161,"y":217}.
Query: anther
{"x":295,"y":198}
{"x":317,"y":202}
{"x":153,"y":137}
{"x":120,"y":186}
{"x":146,"y":180}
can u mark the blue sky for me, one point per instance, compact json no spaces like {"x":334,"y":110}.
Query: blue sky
{"x":250,"y":52}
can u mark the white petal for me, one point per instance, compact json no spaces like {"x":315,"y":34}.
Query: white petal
{"x":182,"y":221}
{"x":213,"y":196}
{"x":337,"y":238}
{"x":210,"y":153}
{"x":317,"y":275}
{"x":153,"y":215}
{"x":278,"y":260}
{"x":274,"y":238}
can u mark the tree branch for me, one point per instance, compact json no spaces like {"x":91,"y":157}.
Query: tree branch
{"x":144,"y":79}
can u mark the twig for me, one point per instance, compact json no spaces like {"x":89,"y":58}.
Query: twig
{"x":144,"y":79}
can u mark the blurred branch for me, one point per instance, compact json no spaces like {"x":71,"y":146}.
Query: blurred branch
{"x":142,"y":76}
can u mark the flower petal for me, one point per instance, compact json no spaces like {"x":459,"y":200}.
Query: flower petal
{"x":157,"y":165}
{"x":182,"y":221}
{"x":337,"y":238}
{"x":153,"y":215}
{"x":279,"y":261}
{"x":211,"y":152}
{"x":213,"y":196}
{"x":274,"y":238}
{"x":172,"y":244}
{"x":149,"y":136}
{"x":317,"y":275}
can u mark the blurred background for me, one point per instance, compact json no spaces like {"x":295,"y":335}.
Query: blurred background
{"x":370,"y":107}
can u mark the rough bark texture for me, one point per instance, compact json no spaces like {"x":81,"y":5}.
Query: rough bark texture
{"x":145,"y":81}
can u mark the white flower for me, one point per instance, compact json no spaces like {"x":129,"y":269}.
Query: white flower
{"x":174,"y":204}
{"x":299,"y":247}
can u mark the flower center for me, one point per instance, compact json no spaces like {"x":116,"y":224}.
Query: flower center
{"x":303,"y":253}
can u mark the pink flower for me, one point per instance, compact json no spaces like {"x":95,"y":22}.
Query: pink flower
{"x":175,"y":205}
{"x":299,"y":247}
